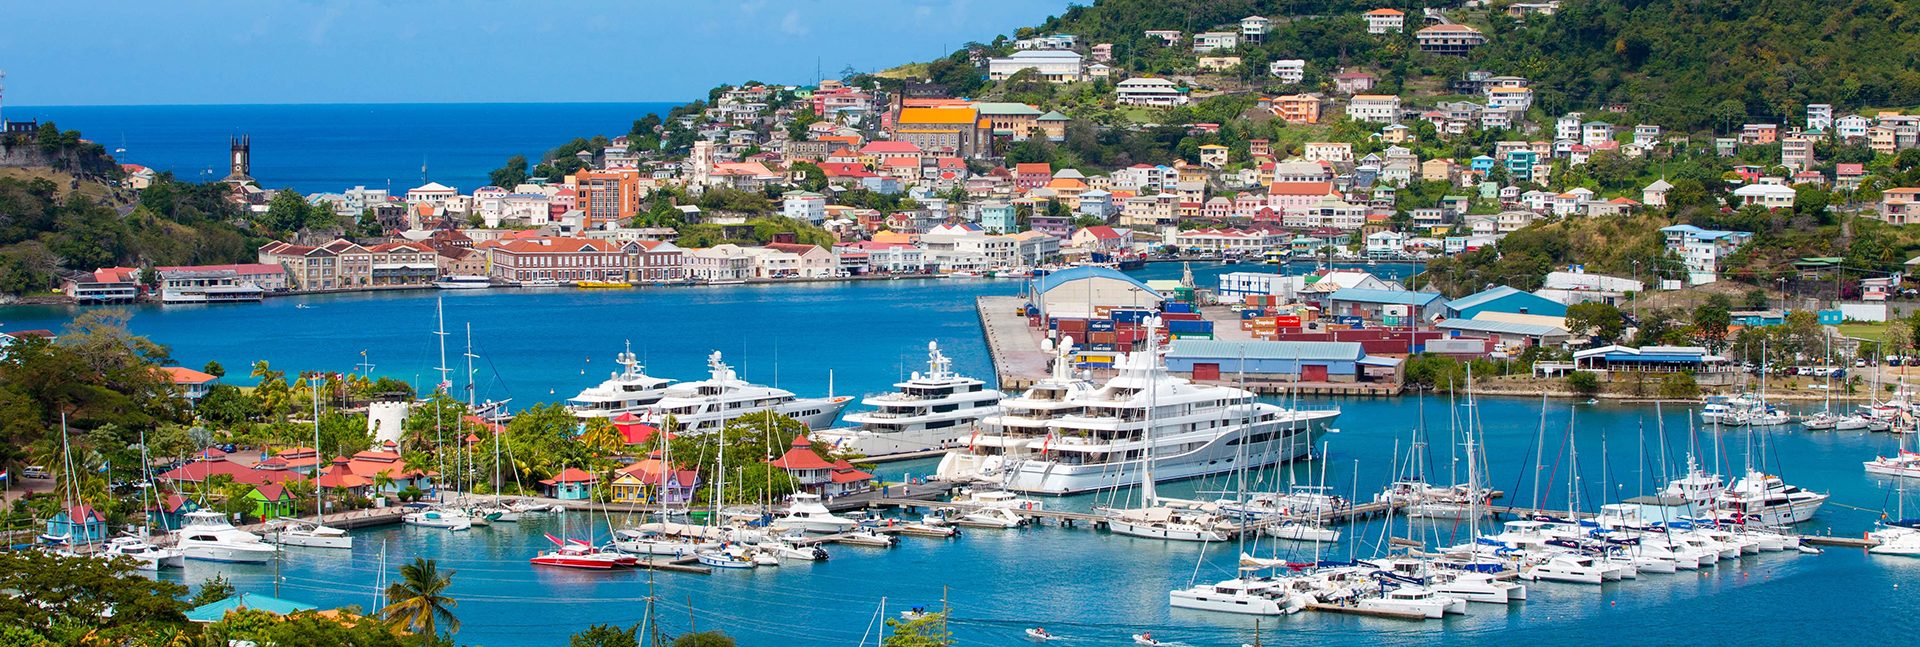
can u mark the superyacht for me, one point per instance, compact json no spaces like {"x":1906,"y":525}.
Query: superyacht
{"x":933,"y":410}
{"x":707,"y":405}
{"x":629,"y":391}
{"x":1098,"y":439}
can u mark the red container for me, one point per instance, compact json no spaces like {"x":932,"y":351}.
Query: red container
{"x":1101,"y":338}
{"x":1287,"y":321}
{"x":1072,"y":325}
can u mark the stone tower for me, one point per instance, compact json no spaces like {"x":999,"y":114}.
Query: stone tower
{"x":241,"y":160}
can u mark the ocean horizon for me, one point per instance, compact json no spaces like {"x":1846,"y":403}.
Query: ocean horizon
{"x":330,"y":147}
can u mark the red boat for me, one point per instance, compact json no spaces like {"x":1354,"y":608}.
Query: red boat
{"x":579,"y":554}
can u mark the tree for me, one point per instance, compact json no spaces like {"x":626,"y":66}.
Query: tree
{"x":418,"y":602}
{"x":703,"y":639}
{"x":1679,"y":386}
{"x":46,"y":590}
{"x":606,"y":636}
{"x":1583,"y":382}
{"x":1755,"y":299}
{"x":1710,"y":322}
{"x":214,"y":589}
{"x":149,"y":278}
{"x":215,"y":369}
{"x":513,"y":174}
{"x":929,"y":630}
{"x":1599,"y":320}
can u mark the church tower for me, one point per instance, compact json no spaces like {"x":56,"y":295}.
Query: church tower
{"x":241,"y":160}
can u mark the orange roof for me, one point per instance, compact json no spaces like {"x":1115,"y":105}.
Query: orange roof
{"x":1386,"y":12}
{"x":183,"y":375}
{"x":1036,"y":167}
{"x":947,"y":115}
{"x":1300,"y":188}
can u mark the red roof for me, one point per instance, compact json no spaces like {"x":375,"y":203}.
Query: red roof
{"x":1036,"y":168}
{"x":1849,"y":169}
{"x":1102,"y":232}
{"x":890,"y":147}
{"x":272,"y":491}
{"x":183,"y":375}
{"x":572,"y":475}
{"x":801,"y":457}
{"x":1300,"y":188}
{"x":844,"y":472}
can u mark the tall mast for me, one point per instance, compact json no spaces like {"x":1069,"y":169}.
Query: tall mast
{"x":319,"y":493}
{"x":1148,"y":497}
{"x":440,"y":329}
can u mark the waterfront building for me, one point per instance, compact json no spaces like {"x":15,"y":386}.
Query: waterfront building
{"x":571,"y":484}
{"x":724,"y":262}
{"x":816,"y":475}
{"x":209,"y":284}
{"x":583,"y":259}
{"x":1303,"y":361}
{"x":79,"y":524}
{"x":105,"y":285}
{"x":1389,"y":307}
{"x":1082,"y":291}
{"x":193,"y":384}
{"x":888,"y":257}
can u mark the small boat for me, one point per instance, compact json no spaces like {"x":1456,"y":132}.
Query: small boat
{"x":791,"y":547}
{"x":601,"y":285}
{"x":579,"y":554}
{"x":539,"y":283}
{"x":1146,"y":640}
{"x":462,"y":282}
{"x":807,"y":513}
{"x":726,"y":556}
{"x":147,"y":557}
{"x":207,"y":536}
{"x":447,"y":518}
{"x":306,"y":534}
{"x":1040,"y":634}
{"x":867,"y":537}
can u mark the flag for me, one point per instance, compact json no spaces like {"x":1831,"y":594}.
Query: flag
{"x":3,"y":475}
{"x":444,"y":385}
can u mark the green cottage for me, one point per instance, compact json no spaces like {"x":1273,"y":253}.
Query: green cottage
{"x":272,"y":501}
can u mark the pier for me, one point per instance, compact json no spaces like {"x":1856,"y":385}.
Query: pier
{"x":1013,"y":347}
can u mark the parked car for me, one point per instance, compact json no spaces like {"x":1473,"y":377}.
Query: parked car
{"x":35,"y":472}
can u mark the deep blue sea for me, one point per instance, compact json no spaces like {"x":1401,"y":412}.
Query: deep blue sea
{"x":334,"y":147}
{"x":1090,"y":586}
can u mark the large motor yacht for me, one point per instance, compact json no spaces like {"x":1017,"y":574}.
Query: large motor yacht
{"x":707,"y":405}
{"x":934,"y":410}
{"x":1097,"y":439}
{"x":207,"y":536}
{"x":629,"y":391}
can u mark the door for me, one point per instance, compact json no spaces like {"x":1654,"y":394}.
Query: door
{"x":1314,"y":373}
{"x":1206,"y":371}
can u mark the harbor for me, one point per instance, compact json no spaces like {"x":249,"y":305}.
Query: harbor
{"x":1098,"y":585}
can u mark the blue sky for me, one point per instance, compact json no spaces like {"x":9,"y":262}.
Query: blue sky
{"x":139,"y":52}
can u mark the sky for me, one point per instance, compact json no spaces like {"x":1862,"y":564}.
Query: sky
{"x":140,"y":52}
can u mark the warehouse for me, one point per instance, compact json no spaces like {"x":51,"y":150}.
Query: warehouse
{"x":1504,"y":299}
{"x":1314,"y":361}
{"x":1390,"y":307}
{"x":1505,"y":334}
{"x":1088,"y":292}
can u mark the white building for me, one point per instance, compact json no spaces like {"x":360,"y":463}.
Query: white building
{"x":432,"y":193}
{"x":1378,"y":108}
{"x":727,"y":262}
{"x":1567,"y":127}
{"x":1386,"y":21}
{"x":1254,"y":28}
{"x":1290,"y":70}
{"x":1851,"y":127}
{"x":1148,"y":91}
{"x":1213,"y":41}
{"x":1386,"y":244}
{"x":805,"y":205}
{"x":1771,"y":196}
{"x":1819,"y":116}
{"x":1703,"y":249}
{"x":1053,"y":65}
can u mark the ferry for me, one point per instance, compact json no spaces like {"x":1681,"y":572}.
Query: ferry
{"x":629,"y":391}
{"x":707,"y":405}
{"x":1061,"y":438}
{"x":933,"y":410}
{"x":462,"y":282}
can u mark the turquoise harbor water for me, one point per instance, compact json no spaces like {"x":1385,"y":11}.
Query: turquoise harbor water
{"x":1087,"y":585}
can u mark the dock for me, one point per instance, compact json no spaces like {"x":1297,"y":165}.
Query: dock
{"x":1013,"y":347}
{"x":1099,"y":519}
{"x":1370,"y":613}
{"x":676,"y":565}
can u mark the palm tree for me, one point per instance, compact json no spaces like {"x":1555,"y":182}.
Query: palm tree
{"x":418,"y":602}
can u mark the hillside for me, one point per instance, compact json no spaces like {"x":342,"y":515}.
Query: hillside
{"x":1674,"y":62}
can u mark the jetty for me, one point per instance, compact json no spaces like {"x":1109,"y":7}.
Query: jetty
{"x":1012,"y":345}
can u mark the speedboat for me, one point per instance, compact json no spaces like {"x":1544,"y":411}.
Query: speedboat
{"x":462,"y":282}
{"x":791,"y":547}
{"x":146,"y":557}
{"x":1905,"y":464}
{"x":867,"y":537}
{"x":579,"y":554}
{"x":539,"y":283}
{"x":990,"y":518}
{"x":1040,"y":634}
{"x":807,"y":513}
{"x":207,"y":536}
{"x":1146,"y":640}
{"x":449,"y":518}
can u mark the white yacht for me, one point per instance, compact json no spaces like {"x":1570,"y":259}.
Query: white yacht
{"x":147,"y":556}
{"x":294,"y":532}
{"x":1097,"y":439}
{"x":629,"y":391}
{"x":807,"y":513}
{"x":934,"y":410}
{"x":1763,"y":499}
{"x":666,"y":538}
{"x":707,"y":405}
{"x":448,"y":517}
{"x":207,"y":536}
{"x":463,"y":282}
{"x":1005,"y":439}
{"x":1905,"y":464}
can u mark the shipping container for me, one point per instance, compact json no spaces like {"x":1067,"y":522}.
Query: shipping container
{"x":1102,"y":312}
{"x":1109,"y":346}
{"x":1181,"y":316}
{"x":1100,"y":326}
{"x":1101,"y":337}
{"x":1193,"y":335}
{"x":1071,"y":325}
{"x":1249,"y":313}
{"x":1131,"y":315}
{"x":1189,"y":326}
{"x":1289,"y":321}
{"x":1179,"y":307}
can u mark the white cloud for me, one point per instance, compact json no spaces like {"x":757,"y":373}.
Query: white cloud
{"x":791,"y":24}
{"x":753,"y":7}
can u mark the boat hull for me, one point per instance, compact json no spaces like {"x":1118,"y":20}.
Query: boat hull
{"x":1288,"y":440}
{"x":227,"y":554}
{"x":1173,"y":532}
{"x":312,"y":541}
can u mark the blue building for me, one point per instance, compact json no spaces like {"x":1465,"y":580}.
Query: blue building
{"x":1309,"y":361}
{"x":1389,"y":307}
{"x":1504,"y":299}
{"x":999,"y":218}
{"x":170,"y":513}
{"x":1481,"y":164}
{"x":1520,"y":165}
{"x":79,"y":524}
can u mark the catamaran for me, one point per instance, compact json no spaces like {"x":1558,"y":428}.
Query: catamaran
{"x":933,"y":410}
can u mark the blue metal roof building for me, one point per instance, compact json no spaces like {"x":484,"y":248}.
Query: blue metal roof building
{"x":1311,"y":361}
{"x":1504,"y":299}
{"x":214,"y":611}
{"x":1393,"y":307}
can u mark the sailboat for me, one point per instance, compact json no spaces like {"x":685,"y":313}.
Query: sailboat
{"x":728,"y":554}
{"x":318,"y":534}
{"x":1158,"y":518}
{"x":146,"y":556}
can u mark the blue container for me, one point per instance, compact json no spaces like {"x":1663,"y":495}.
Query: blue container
{"x":1177,"y":326}
{"x":1099,"y":325}
{"x":1099,"y":347}
{"x":1249,"y":314}
{"x":1131,"y":316}
{"x":1178,"y":307}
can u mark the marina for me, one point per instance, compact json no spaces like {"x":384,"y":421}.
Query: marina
{"x":1089,"y":583}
